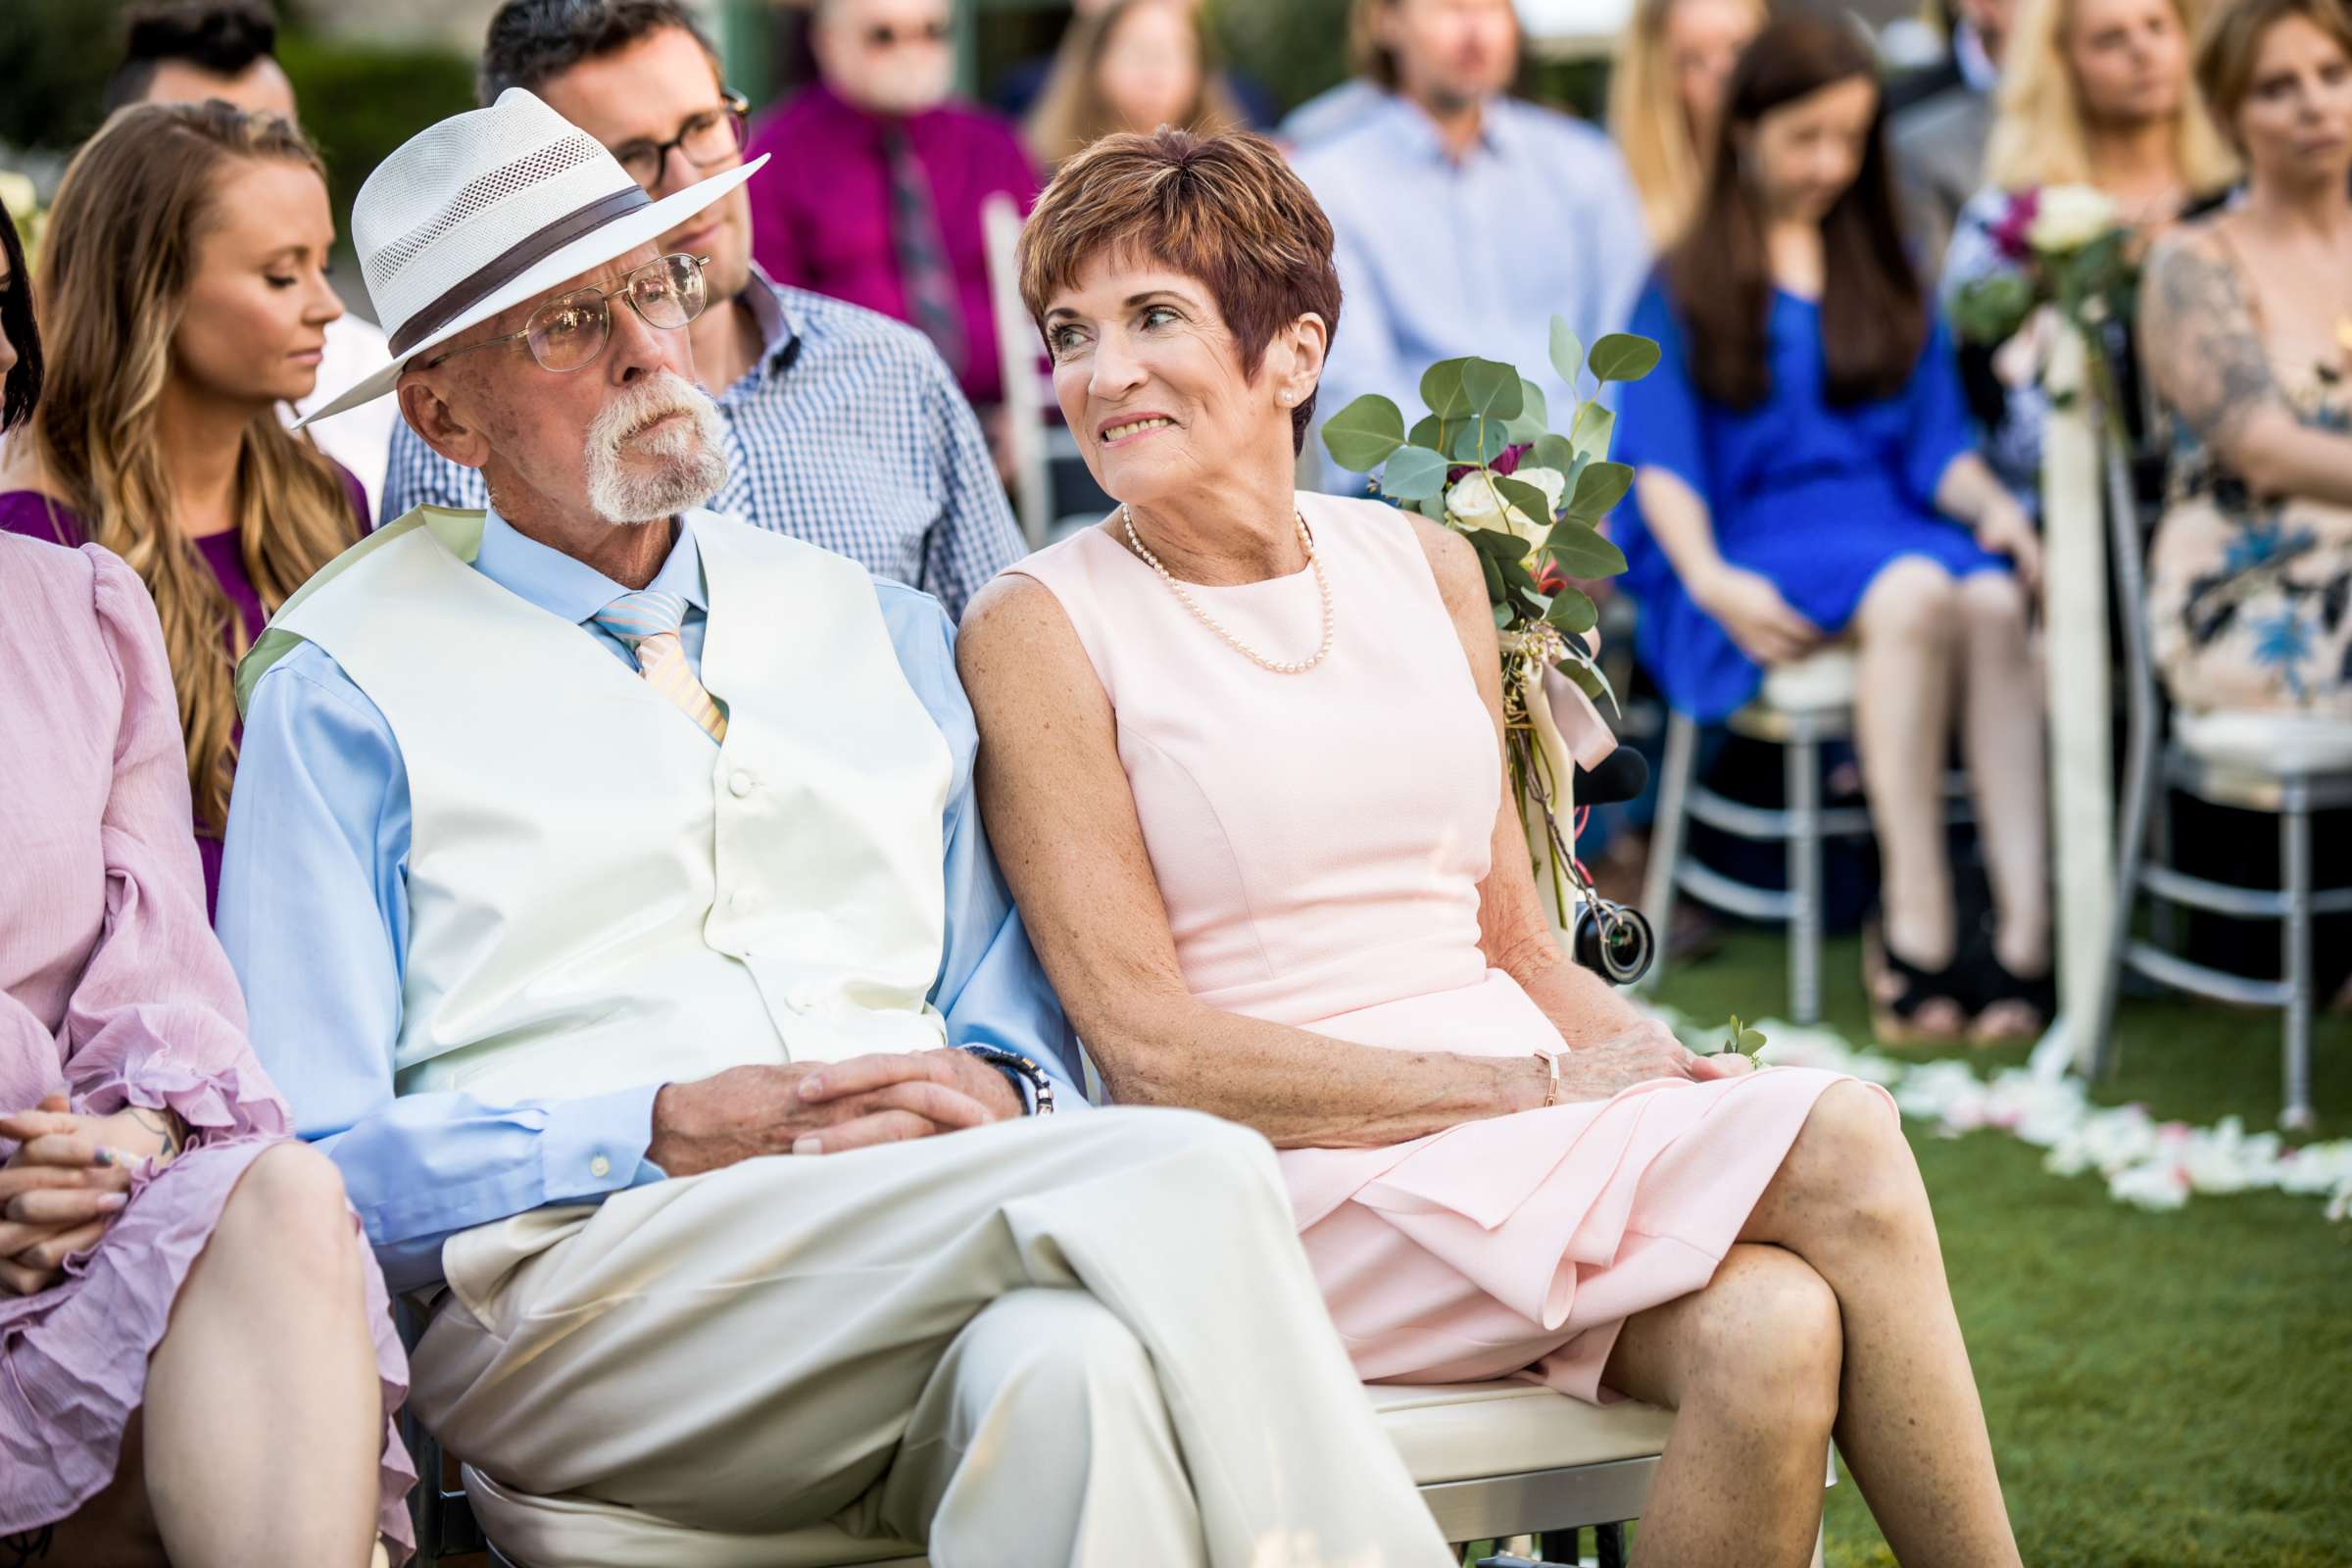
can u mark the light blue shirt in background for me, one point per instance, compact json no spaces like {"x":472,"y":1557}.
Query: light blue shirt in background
{"x":314,"y":911}
{"x":1439,"y":259}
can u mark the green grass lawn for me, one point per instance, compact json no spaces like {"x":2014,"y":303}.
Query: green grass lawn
{"x":2163,"y":1389}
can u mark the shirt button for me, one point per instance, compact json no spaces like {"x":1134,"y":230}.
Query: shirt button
{"x":740,"y":785}
{"x":600,"y":1167}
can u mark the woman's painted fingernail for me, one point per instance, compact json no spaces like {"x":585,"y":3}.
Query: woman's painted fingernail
{"x":104,"y":1157}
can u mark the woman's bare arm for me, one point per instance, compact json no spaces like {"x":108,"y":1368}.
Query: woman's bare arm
{"x":1059,"y":808}
{"x":2199,"y":341}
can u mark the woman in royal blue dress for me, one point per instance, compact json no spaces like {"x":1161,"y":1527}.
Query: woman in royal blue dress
{"x":1806,"y":473}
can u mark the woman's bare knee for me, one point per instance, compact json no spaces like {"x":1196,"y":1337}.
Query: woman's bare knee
{"x":1992,"y":604}
{"x":1850,"y":1172}
{"x":290,"y":1205}
{"x":1766,"y":1335}
{"x":1911,"y":597}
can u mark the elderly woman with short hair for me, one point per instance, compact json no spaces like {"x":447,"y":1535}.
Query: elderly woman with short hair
{"x":1241,"y":761}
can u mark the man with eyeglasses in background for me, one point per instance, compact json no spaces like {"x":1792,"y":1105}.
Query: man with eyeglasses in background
{"x":875,"y":192}
{"x":842,"y":428}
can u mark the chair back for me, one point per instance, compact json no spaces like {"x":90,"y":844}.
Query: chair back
{"x":1025,"y":396}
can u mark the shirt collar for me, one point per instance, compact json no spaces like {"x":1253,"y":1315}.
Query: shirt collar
{"x":573,"y":589}
{"x":1411,"y":123}
{"x":765,"y":302}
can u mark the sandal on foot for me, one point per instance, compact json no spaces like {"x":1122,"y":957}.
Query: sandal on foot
{"x":2032,"y":1003}
{"x":1899,"y":991}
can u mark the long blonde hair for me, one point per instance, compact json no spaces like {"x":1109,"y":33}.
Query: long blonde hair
{"x":2038,"y":136}
{"x":1071,"y":113}
{"x":117,"y":260}
{"x":1645,"y":117}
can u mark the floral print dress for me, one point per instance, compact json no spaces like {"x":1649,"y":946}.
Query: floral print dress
{"x":2250,"y":598}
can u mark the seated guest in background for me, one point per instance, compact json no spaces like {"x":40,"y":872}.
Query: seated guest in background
{"x":879,"y":177}
{"x":2245,"y":326}
{"x":844,"y":428}
{"x":1938,"y":140}
{"x":1665,"y":93}
{"x":186,"y":51}
{"x":595,"y":848}
{"x":185,"y":1304}
{"x":1020,"y":89}
{"x":185,"y":292}
{"x":1805,"y":473}
{"x":1136,"y":64}
{"x":2096,"y":93}
{"x":1523,"y":212}
{"x":1192,"y":716}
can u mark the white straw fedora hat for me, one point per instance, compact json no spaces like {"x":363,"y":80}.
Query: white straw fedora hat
{"x":487,"y":208}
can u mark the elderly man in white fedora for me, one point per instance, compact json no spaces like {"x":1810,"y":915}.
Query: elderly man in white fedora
{"x":607,"y":884}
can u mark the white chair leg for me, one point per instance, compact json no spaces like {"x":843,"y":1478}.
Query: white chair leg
{"x":2294,"y":858}
{"x":1666,"y":837}
{"x":1800,"y":763}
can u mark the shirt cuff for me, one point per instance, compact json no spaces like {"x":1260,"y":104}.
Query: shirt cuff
{"x":597,"y":1146}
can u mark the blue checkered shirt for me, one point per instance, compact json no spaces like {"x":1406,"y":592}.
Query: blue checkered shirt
{"x":849,"y":432}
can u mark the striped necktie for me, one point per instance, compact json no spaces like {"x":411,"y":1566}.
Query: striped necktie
{"x":920,"y":251}
{"x":646,"y":624}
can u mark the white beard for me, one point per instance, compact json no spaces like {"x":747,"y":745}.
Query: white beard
{"x":690,"y":455}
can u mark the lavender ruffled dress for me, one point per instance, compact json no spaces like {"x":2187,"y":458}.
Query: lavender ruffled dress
{"x":113,"y":990}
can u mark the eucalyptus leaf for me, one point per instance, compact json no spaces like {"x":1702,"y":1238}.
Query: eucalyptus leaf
{"x":1580,"y":552}
{"x":1567,"y":351}
{"x":1481,"y":441}
{"x":1441,"y":389}
{"x":1492,"y":390}
{"x":1430,"y":432}
{"x":1593,"y":427}
{"x":1571,"y":611}
{"x":1433,"y":508}
{"x":1533,"y":417}
{"x":1361,"y":435}
{"x":1600,"y":486}
{"x":1499,"y":543}
{"x":1554,"y":451}
{"x":1623,"y":357}
{"x":1413,"y":473}
{"x":1493,"y":575}
{"x":1527,"y":498}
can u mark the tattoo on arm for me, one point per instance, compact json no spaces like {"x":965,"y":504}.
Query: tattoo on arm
{"x":2203,"y":345}
{"x":164,"y":1125}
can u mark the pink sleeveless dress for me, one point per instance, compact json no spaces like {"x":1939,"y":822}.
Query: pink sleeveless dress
{"x":1318,"y":841}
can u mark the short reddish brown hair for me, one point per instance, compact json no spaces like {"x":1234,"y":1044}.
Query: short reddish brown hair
{"x":1226,"y":211}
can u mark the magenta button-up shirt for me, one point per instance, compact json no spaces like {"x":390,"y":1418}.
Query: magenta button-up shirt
{"x":821,"y":211}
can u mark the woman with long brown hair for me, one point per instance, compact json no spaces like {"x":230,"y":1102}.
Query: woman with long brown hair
{"x":1806,"y":473}
{"x":1135,"y":64}
{"x":184,"y":296}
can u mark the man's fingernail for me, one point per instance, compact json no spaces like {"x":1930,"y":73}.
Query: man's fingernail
{"x":812,"y":1087}
{"x":807,"y":1146}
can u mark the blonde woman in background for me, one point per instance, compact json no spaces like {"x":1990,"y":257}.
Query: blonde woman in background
{"x":1665,"y":93}
{"x":1136,"y":64}
{"x":2097,"y":93}
{"x":183,"y":297}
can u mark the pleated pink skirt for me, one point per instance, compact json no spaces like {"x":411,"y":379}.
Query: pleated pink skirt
{"x":1520,"y":1244}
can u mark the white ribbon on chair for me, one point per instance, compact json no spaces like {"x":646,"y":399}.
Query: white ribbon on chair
{"x":2074,"y":609}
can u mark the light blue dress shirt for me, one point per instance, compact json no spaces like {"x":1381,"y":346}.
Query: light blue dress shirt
{"x":1440,"y":258}
{"x":314,"y":911}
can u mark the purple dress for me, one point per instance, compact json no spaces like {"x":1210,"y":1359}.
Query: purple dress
{"x":35,"y":515}
{"x":113,"y":990}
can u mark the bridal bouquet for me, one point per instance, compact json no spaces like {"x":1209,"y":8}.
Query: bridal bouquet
{"x":1486,"y":462}
{"x":2065,"y":257}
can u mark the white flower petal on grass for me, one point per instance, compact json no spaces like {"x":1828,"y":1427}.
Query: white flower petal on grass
{"x":2158,"y":1185}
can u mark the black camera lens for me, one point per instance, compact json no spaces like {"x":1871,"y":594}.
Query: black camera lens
{"x":1612,"y":940}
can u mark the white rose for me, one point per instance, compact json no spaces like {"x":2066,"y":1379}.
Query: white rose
{"x":1551,"y":481}
{"x":2068,"y":217}
{"x":17,"y":195}
{"x":1475,"y":502}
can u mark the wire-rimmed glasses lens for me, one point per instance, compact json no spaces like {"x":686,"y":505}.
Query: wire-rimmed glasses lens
{"x":566,"y":334}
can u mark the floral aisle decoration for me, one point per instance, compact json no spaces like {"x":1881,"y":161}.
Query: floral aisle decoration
{"x":2147,"y":1163}
{"x":2070,"y":260}
{"x":1486,"y":462}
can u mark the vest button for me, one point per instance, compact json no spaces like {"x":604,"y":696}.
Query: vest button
{"x":740,"y":784}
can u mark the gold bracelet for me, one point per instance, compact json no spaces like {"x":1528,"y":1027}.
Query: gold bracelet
{"x":1552,"y":1061}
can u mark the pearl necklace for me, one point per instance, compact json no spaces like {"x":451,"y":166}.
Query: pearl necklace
{"x":1290,"y":666}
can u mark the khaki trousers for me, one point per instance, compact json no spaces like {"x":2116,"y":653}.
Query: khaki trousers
{"x":1089,"y":1340}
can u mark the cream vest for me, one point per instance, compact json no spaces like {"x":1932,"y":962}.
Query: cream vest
{"x":598,"y":896}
